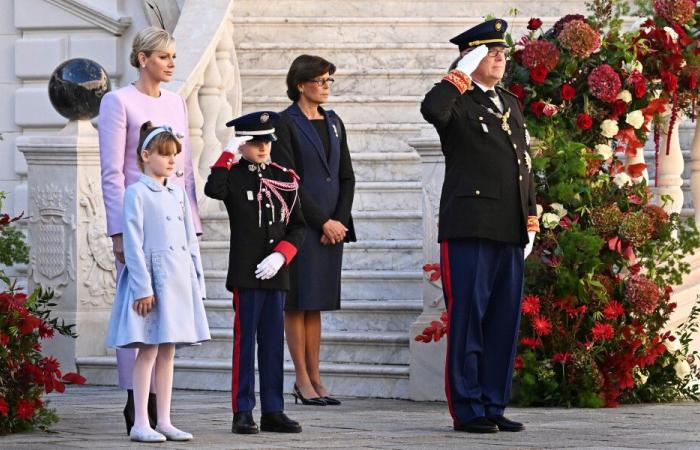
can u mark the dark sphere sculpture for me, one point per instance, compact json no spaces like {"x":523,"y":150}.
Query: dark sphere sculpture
{"x":76,"y":88}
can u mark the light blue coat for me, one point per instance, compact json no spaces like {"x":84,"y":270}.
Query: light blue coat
{"x":162,"y":259}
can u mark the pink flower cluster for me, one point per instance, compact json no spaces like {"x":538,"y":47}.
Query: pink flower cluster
{"x":642,"y":293}
{"x":675,"y":11}
{"x":604,"y":83}
{"x":579,"y":38}
{"x":540,"y":53}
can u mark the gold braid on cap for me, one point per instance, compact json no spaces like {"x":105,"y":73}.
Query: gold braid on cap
{"x":486,"y":41}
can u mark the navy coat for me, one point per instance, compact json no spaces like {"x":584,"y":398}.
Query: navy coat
{"x":327,"y":191}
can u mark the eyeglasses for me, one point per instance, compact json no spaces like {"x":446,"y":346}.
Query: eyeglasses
{"x":496,"y":52}
{"x":323,"y":82}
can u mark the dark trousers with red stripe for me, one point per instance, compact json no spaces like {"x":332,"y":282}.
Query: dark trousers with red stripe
{"x":482,"y":282}
{"x":259,"y":313}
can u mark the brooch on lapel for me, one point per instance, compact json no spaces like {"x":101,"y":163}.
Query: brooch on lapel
{"x":335,"y":130}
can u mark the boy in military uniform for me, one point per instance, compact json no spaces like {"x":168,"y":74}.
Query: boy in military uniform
{"x":487,"y":226}
{"x":267,"y":228}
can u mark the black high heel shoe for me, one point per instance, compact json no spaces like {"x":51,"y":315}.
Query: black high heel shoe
{"x":316,"y":401}
{"x":129,"y":411}
{"x":331,"y":400}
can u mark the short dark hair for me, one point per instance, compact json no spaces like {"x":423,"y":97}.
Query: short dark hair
{"x":305,"y":68}
{"x":163,"y":143}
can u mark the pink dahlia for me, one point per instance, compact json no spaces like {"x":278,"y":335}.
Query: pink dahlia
{"x":604,"y":83}
{"x":642,"y":293}
{"x":540,"y":53}
{"x":675,"y":11}
{"x":579,"y":38}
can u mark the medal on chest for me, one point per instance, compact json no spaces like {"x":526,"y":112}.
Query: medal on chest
{"x":503,"y":117}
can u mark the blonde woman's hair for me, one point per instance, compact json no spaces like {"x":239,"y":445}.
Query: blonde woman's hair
{"x":147,"y":41}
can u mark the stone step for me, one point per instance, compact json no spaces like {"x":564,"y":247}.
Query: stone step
{"x":371,"y":225}
{"x":356,"y":284}
{"x":382,"y":137}
{"x":348,"y":380}
{"x":408,"y":8}
{"x":362,"y":255}
{"x":345,"y":29}
{"x":354,"y":108}
{"x":348,"y":82}
{"x":354,"y":315}
{"x":348,"y":55}
{"x":386,"y":347}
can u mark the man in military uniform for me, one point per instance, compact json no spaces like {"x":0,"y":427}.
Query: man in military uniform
{"x":267,"y":228}
{"x":486,"y":228}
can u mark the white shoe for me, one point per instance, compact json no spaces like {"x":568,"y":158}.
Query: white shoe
{"x":146,"y":434}
{"x":175,"y":435}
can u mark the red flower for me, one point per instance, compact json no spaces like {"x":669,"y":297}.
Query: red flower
{"x":4,"y":339}
{"x":534,"y":24}
{"x":602,"y":331}
{"x":4,"y":407}
{"x":74,"y":378}
{"x":519,"y":362}
{"x":537,"y":108}
{"x":49,"y":364}
{"x":45,"y":331}
{"x":584,"y":121}
{"x":562,"y":357}
{"x":29,"y":323}
{"x":531,"y":342}
{"x":518,"y":90}
{"x":693,"y":81}
{"x":542,"y":325}
{"x":567,"y":92}
{"x":670,"y":81}
{"x":604,"y":83}
{"x":637,"y":81}
{"x":613,"y":310}
{"x":540,"y":53}
{"x":538,"y":75}
{"x":619,"y":107}
{"x":25,"y":409}
{"x":531,"y":305}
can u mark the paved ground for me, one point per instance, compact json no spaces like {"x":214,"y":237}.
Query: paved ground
{"x":90,"y":418}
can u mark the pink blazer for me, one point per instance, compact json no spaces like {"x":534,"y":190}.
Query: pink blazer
{"x":122,"y":112}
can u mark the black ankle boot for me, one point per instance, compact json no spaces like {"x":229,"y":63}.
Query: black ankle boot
{"x":129,"y":410}
{"x":152,"y":410}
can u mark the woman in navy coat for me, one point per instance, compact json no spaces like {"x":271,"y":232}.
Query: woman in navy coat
{"x":314,"y":142}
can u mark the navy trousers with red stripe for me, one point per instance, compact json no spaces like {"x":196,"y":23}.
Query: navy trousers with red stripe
{"x":259,"y":312}
{"x":482,"y":282}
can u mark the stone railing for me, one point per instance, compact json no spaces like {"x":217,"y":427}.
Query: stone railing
{"x":210,"y":81}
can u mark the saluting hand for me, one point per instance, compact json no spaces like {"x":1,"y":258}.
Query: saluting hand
{"x":471,"y":60}
{"x":144,"y":305}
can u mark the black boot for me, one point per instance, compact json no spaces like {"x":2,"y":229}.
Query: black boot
{"x":129,"y":410}
{"x":152,"y":410}
{"x":278,"y":422}
{"x":243,"y":423}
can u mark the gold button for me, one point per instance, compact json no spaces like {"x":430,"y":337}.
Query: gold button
{"x":521,"y":177}
{"x":477,"y":192}
{"x":518,"y":161}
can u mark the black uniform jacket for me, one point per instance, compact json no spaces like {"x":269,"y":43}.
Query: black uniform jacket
{"x":255,"y":233}
{"x":488,"y":191}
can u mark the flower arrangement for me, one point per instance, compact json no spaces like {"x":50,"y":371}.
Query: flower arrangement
{"x":25,"y":374}
{"x":598,"y":281}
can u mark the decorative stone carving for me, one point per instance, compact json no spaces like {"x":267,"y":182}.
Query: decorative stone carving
{"x":51,"y":228}
{"x":98,"y":272}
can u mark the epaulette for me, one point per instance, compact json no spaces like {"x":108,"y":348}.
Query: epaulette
{"x":291,"y":172}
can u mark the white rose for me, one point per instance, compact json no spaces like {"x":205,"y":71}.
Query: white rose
{"x":673,"y":345}
{"x":634,"y":65}
{"x":609,"y":128}
{"x":622,"y":179}
{"x":635,"y":118}
{"x":604,"y":150}
{"x":625,"y":96}
{"x":540,"y":210}
{"x":672,"y":33}
{"x":559,"y":209}
{"x":550,"y":220}
{"x":682,"y":369}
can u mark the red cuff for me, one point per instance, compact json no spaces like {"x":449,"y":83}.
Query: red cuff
{"x":287,"y":249}
{"x":460,"y":80}
{"x":225,"y":160}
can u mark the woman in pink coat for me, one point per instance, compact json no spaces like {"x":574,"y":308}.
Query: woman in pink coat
{"x":122,"y":112}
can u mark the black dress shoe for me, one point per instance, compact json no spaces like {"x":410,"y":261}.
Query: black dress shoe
{"x":129,"y":410}
{"x":243,"y":423}
{"x":278,"y":422}
{"x":152,"y":410}
{"x":504,"y":424}
{"x":477,"y":425}
{"x":330,"y":400}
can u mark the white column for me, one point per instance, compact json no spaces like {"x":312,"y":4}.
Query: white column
{"x":427,"y":363}
{"x":70,"y":252}
{"x":695,"y":170}
{"x":670,"y":176}
{"x":227,"y":70}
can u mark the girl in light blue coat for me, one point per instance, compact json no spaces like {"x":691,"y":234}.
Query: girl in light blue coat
{"x":159,"y":299}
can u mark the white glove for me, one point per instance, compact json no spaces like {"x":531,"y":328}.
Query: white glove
{"x":528,"y":247}
{"x":269,"y":266}
{"x":471,"y":60}
{"x":235,"y":142}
